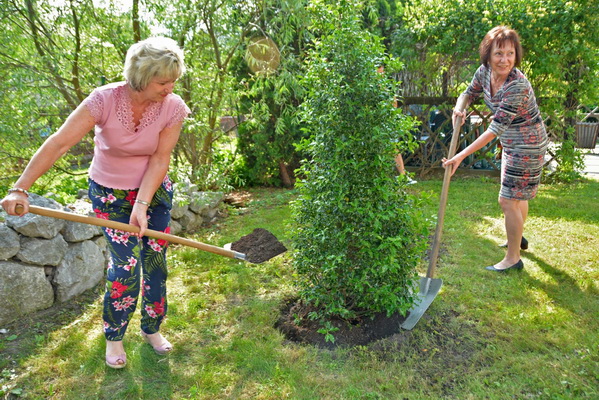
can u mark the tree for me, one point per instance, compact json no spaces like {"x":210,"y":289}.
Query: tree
{"x":49,"y":57}
{"x":270,"y":98}
{"x":66,"y":49}
{"x":358,"y":235}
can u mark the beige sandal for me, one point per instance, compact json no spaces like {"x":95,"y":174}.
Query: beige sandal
{"x":163,"y":349}
{"x":113,"y":361}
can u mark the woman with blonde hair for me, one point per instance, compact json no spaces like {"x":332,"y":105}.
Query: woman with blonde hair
{"x":137,"y":123}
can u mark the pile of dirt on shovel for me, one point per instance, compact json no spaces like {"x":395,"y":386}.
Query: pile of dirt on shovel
{"x":259,"y":246}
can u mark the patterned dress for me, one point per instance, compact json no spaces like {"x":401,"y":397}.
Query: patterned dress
{"x":518,"y":125}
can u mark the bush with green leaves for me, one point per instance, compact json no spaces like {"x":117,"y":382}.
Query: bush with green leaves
{"x":570,"y":163}
{"x":269,"y":99}
{"x":358,"y":234}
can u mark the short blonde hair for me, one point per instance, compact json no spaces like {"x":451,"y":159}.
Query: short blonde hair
{"x":154,"y":57}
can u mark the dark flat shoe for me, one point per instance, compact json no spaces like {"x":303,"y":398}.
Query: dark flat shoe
{"x":519,"y":265}
{"x":523,"y":244}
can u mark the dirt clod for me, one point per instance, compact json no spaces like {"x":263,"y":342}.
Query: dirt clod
{"x":259,"y":246}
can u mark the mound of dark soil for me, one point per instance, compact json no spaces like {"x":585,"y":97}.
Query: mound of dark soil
{"x":259,"y":246}
{"x":350,"y":333}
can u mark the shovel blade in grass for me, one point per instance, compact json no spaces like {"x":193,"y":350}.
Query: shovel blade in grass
{"x":429,"y":288}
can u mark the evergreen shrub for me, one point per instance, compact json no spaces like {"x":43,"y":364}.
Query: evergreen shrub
{"x":359,"y":235}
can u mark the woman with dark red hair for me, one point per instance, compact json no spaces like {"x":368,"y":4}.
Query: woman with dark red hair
{"x":518,"y":125}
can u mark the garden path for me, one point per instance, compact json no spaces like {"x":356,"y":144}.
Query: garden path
{"x":591,"y":162}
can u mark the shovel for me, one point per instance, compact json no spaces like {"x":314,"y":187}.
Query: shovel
{"x":429,"y":287}
{"x":266,"y":239}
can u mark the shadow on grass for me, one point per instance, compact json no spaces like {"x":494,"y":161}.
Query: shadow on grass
{"x":146,"y":376}
{"x":33,"y":330}
{"x":565,"y":291}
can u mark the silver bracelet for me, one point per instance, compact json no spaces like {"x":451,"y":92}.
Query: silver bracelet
{"x":145,"y":203}
{"x":25,"y":192}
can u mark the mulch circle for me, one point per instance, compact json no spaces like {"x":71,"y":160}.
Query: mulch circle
{"x":350,"y":333}
{"x":259,"y":246}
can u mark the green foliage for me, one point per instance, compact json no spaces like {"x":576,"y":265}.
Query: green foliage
{"x":327,"y":330}
{"x":270,"y":98}
{"x":570,"y":165}
{"x":53,"y":54}
{"x":560,"y":40}
{"x":222,"y":174}
{"x":212,"y":33}
{"x":358,"y":235}
{"x":559,"y":37}
{"x":62,"y":187}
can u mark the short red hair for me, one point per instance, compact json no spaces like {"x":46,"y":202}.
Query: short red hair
{"x":499,"y":36}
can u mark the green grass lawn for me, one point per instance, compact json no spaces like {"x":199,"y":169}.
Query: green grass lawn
{"x":521,"y":335}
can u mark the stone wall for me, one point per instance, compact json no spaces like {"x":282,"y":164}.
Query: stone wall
{"x":44,"y":261}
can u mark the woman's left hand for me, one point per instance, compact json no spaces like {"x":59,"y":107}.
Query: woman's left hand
{"x":457,"y":113}
{"x":139,"y":217}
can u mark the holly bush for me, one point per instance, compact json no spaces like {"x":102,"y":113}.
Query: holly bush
{"x":358,"y":234}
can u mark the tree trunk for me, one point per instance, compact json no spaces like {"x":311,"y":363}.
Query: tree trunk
{"x":75,"y":67}
{"x":135,"y":18}
{"x":285,"y":175}
{"x":571,"y":102}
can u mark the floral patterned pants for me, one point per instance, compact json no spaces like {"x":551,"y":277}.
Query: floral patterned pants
{"x":131,"y":260}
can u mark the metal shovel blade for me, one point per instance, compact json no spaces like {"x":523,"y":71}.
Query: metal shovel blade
{"x":429,"y":288}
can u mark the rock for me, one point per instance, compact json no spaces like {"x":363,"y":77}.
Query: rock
{"x":198,"y":202}
{"x":69,"y":255}
{"x":186,"y":219}
{"x":82,"y":207}
{"x":42,"y":251}
{"x":192,"y":221}
{"x":215,"y":198}
{"x":23,"y":289}
{"x":185,"y":189}
{"x":209,"y":214}
{"x":35,"y":225}
{"x":176,"y":227}
{"x":100,"y":241}
{"x":49,"y":271}
{"x":78,"y":232}
{"x":82,"y":193}
{"x":81,"y":269}
{"x":9,"y":242}
{"x":179,"y":209}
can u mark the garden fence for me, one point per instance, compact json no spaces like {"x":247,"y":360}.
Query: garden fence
{"x":434,"y":132}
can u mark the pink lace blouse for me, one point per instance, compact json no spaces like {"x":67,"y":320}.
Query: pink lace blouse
{"x":122,"y":151}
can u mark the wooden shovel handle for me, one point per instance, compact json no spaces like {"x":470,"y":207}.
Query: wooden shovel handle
{"x":48,"y":212}
{"x":443,"y":201}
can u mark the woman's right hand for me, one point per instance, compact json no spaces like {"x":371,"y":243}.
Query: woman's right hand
{"x":10,"y":202}
{"x":453,"y":162}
